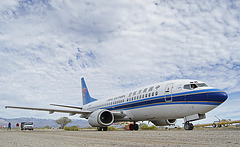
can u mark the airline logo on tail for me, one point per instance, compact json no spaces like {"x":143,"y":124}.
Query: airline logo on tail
{"x":84,"y":92}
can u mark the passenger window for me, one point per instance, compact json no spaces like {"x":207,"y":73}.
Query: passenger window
{"x":156,"y":93}
{"x":153,"y":94}
{"x":140,"y":97}
{"x":143,"y":96}
{"x":146,"y":96}
{"x":149,"y":94}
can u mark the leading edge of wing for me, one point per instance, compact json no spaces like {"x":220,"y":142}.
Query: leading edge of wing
{"x":72,"y":112}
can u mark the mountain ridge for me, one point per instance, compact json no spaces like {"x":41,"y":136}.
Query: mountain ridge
{"x":40,"y":123}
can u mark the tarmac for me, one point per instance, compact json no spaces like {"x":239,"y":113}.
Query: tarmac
{"x":177,"y":138}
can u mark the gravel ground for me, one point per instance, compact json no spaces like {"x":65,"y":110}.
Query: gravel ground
{"x":57,"y":138}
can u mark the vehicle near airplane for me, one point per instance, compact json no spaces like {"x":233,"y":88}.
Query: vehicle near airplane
{"x":161,"y":103}
{"x":27,"y":126}
{"x":219,"y":123}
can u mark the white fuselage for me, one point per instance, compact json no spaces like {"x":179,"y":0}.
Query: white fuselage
{"x":167,"y":100}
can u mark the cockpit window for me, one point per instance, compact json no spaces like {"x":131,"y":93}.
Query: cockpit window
{"x":202,"y":85}
{"x":187,"y":86}
{"x":190,"y":86}
{"x":193,"y":86}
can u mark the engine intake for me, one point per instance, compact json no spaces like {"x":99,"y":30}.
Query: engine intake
{"x":166,"y":122}
{"x":101,"y":118}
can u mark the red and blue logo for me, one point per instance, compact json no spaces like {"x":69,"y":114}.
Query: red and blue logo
{"x":84,"y":92}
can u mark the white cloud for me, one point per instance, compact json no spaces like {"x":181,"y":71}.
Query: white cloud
{"x":46,"y":46}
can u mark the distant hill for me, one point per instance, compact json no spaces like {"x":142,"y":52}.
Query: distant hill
{"x":39,"y":123}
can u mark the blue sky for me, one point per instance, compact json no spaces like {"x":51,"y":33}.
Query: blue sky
{"x":47,"y":46}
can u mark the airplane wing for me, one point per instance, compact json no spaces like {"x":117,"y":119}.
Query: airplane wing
{"x":71,"y":112}
{"x":74,"y":107}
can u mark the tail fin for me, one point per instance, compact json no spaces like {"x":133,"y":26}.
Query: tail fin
{"x":85,"y":93}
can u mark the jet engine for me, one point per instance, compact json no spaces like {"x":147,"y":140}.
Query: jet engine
{"x":101,"y":118}
{"x":166,"y":122}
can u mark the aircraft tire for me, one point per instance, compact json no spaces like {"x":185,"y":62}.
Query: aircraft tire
{"x":188,"y":126}
{"x":99,"y":128}
{"x":135,"y":126}
{"x":131,"y":127}
{"x":105,"y":128}
{"x":214,"y":125}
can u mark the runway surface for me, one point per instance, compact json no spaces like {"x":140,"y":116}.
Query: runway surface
{"x":60,"y":138}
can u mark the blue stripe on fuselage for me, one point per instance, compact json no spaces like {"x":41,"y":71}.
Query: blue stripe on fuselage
{"x":191,"y":97}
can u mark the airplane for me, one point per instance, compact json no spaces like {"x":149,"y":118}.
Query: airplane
{"x":161,"y":103}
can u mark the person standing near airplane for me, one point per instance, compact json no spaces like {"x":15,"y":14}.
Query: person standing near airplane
{"x":9,"y":126}
{"x":17,"y":125}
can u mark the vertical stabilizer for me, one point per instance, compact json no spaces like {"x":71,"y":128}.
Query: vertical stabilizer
{"x":85,"y":93}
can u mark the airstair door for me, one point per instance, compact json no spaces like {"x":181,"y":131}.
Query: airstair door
{"x":168,"y":92}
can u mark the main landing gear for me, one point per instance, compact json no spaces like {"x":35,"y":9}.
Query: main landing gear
{"x":102,"y":128}
{"x":133,"y":126}
{"x":188,"y":126}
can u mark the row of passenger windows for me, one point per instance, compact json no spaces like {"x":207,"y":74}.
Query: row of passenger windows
{"x":142,"y":96}
{"x":133,"y":98}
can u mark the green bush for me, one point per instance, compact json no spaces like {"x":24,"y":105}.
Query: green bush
{"x":111,"y":128}
{"x":146,"y":127}
{"x":72,"y":128}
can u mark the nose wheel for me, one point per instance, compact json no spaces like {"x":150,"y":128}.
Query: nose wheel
{"x":188,"y":126}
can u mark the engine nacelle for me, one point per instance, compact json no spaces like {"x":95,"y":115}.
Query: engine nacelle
{"x":166,"y":122}
{"x":101,"y":118}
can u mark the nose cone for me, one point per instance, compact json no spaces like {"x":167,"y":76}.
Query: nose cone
{"x":220,"y":96}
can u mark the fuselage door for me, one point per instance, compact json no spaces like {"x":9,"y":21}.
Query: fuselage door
{"x":168,"y":92}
